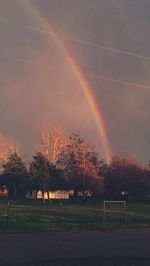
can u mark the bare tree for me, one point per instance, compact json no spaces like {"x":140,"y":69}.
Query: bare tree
{"x":52,"y":141}
{"x":7,"y":147}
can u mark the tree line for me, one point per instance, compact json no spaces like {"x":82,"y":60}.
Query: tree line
{"x":64,"y":163}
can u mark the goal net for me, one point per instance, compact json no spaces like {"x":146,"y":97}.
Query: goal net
{"x":114,"y":211}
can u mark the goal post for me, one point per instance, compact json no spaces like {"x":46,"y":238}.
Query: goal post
{"x":111,"y":206}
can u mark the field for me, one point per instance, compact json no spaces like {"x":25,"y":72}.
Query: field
{"x":91,"y":261}
{"x":33,"y":216}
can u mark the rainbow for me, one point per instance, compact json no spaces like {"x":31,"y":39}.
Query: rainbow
{"x":97,"y":113}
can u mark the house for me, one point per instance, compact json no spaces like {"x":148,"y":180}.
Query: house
{"x":58,"y":194}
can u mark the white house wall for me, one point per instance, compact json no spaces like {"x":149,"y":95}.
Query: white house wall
{"x":59,"y":194}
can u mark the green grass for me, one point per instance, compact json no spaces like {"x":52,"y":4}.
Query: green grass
{"x":32,"y":216}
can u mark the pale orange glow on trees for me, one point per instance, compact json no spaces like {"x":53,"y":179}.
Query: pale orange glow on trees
{"x":7,"y":147}
{"x":52,"y":140}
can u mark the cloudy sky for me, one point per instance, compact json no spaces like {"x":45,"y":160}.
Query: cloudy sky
{"x":32,"y":96}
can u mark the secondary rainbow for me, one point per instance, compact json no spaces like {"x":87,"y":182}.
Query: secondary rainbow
{"x":97,"y":113}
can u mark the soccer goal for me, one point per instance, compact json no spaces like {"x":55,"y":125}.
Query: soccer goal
{"x":115,"y":208}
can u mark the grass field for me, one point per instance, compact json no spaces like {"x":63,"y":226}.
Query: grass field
{"x":32,"y":216}
{"x":92,"y":261}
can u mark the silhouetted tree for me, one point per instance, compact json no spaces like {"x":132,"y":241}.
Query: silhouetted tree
{"x":15,"y":175}
{"x":44,"y":175}
{"x":81,"y":165}
{"x":124,"y":174}
{"x":40,"y":172}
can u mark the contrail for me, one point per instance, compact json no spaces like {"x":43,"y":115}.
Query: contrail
{"x":26,"y":61}
{"x":2,"y":20}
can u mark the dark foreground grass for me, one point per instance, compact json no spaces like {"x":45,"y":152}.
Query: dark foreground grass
{"x":31,"y":216}
{"x":91,"y":261}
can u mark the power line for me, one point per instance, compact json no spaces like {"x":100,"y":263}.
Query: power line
{"x":22,"y":60}
{"x":107,"y":48}
{"x":6,"y":21}
{"x":26,"y":61}
{"x":117,"y":81}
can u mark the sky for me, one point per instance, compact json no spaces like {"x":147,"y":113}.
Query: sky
{"x":32,"y":96}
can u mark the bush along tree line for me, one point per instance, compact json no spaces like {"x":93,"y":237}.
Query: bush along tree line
{"x":72,"y":164}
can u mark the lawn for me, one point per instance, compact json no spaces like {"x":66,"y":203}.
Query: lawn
{"x":33,"y":216}
{"x":94,"y":261}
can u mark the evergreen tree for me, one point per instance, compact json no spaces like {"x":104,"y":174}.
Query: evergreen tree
{"x":45,"y":176}
{"x":16,"y":175}
{"x":40,"y":173}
